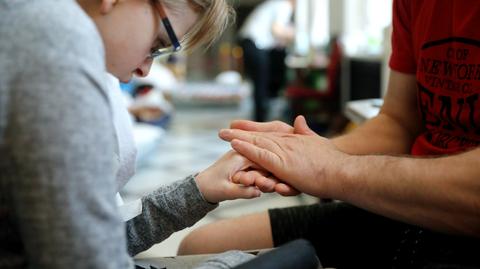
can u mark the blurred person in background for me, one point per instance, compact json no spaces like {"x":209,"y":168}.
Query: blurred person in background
{"x":264,"y":36}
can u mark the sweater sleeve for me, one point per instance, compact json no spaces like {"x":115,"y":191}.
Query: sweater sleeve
{"x":226,"y":260}
{"x":60,"y":141}
{"x":165,"y":211}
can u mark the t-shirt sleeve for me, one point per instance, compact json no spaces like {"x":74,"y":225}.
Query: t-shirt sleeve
{"x":402,"y":58}
{"x":60,"y":137}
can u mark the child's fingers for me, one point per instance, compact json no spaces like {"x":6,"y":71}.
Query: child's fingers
{"x":263,"y":181}
{"x":245,"y":192}
{"x":241,"y":177}
{"x":286,"y":190}
{"x":244,"y":177}
{"x":266,"y":184}
{"x":247,"y":178}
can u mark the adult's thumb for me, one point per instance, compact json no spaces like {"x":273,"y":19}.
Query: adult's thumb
{"x":301,"y":127}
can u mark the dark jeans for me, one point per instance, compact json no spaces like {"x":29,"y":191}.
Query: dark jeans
{"x":345,"y":236}
{"x":266,"y":69}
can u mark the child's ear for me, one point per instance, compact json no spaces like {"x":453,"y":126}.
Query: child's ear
{"x":107,"y":6}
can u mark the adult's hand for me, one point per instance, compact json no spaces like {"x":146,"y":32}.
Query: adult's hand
{"x":308,"y":163}
{"x":267,"y":182}
{"x":300,"y":126}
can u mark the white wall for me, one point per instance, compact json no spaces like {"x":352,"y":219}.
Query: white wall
{"x":364,"y":24}
{"x":312,"y":25}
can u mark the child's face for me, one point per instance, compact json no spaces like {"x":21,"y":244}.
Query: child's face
{"x":132,"y":28}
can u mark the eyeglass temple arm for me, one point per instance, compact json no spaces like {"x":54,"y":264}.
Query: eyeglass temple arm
{"x":168,"y":26}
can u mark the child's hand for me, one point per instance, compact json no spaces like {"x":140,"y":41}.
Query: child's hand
{"x":216,"y":182}
{"x":264,"y":181}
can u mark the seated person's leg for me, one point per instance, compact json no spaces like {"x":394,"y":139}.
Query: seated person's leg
{"x":343,"y":236}
{"x":243,"y":233}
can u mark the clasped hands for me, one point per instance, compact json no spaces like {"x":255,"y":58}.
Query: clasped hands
{"x":272,"y":157}
{"x":287,"y":159}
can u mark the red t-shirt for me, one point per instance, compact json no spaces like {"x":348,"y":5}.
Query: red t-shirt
{"x":439,"y":41}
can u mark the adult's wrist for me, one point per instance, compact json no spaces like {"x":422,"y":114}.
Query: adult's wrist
{"x":345,"y":177}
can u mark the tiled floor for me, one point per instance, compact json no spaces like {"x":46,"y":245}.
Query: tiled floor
{"x":190,"y":145}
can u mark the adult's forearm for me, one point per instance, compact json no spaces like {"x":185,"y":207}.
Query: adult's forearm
{"x":380,"y":135}
{"x":394,"y":129}
{"x":437,"y":193}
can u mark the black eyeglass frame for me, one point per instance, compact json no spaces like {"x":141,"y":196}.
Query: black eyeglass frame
{"x":175,"y":46}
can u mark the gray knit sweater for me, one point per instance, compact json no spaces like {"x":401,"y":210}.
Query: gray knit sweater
{"x":57,"y":205}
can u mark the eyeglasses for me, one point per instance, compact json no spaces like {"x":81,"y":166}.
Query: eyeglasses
{"x":175,"y":46}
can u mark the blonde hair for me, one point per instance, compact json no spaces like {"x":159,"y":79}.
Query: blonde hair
{"x":215,"y":16}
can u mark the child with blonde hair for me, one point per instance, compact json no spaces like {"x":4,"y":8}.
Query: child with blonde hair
{"x":60,"y":159}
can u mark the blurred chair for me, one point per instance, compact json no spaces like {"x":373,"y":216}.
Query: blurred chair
{"x":315,"y":92}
